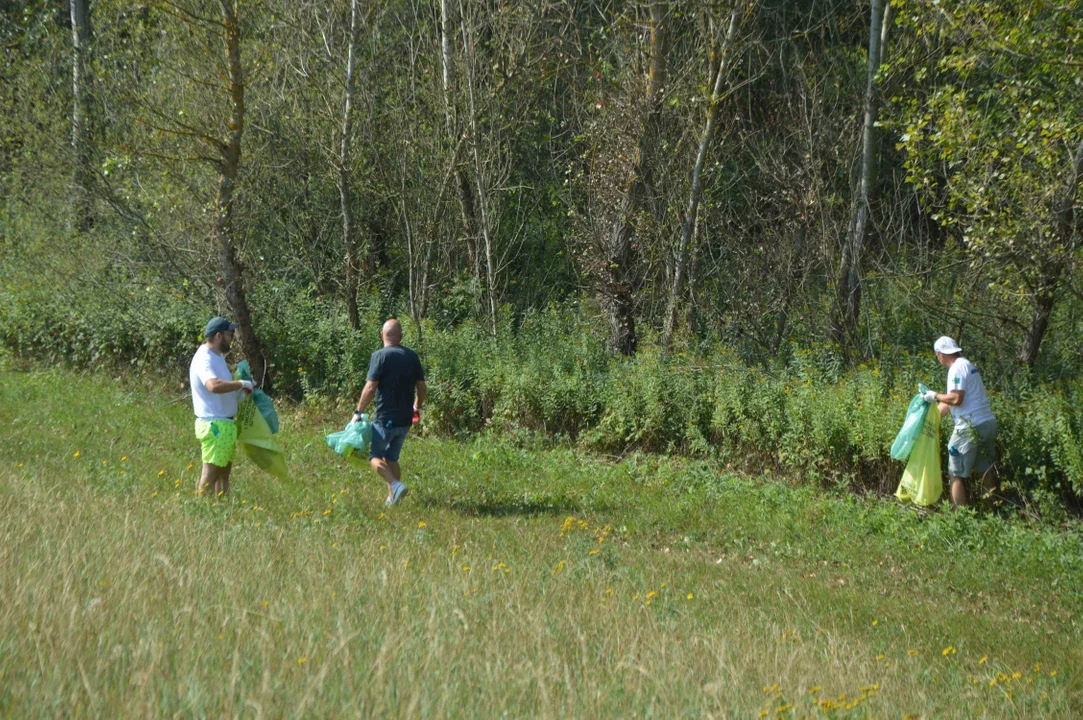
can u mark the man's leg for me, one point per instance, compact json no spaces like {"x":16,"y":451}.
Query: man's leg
{"x":396,"y":471}
{"x":206,"y":478}
{"x":383,"y":469}
{"x":959,"y":494}
{"x":221,"y":485}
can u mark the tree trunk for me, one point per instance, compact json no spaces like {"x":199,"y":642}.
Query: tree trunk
{"x":848,"y":285}
{"x":483,"y":201}
{"x":692,"y":319}
{"x":616,"y":281}
{"x":462,"y":182}
{"x":1070,"y":240}
{"x":349,"y":235}
{"x":1039,"y":323}
{"x":228,"y":264}
{"x":81,"y":215}
{"x":689,"y":222}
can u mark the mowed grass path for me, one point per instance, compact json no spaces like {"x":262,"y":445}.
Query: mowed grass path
{"x":509,"y":583}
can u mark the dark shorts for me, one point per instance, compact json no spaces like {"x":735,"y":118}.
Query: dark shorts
{"x":387,"y":442}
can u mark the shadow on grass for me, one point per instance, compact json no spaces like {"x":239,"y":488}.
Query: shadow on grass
{"x":504,"y":506}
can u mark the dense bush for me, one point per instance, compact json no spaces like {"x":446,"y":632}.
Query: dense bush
{"x":548,"y":375}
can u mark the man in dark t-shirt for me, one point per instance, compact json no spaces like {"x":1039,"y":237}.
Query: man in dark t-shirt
{"x":397,"y":381}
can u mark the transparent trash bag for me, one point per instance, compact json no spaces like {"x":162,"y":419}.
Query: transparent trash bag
{"x":260,"y":398}
{"x":911,"y":429}
{"x":352,"y":443}
{"x":921,"y":481}
{"x":258,"y":442}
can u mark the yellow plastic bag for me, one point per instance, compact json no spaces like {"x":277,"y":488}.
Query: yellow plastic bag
{"x":258,"y":442}
{"x":921,"y":482}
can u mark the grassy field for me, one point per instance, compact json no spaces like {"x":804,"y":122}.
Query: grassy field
{"x":510,"y":583}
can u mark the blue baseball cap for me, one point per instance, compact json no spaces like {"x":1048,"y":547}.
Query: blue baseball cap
{"x":217,"y":325}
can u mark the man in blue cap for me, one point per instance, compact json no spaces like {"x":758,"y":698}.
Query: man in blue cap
{"x":215,"y":395}
{"x":973,"y":439}
{"x":397,"y":382}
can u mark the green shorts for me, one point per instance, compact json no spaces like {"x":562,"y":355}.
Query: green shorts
{"x":218,"y":439}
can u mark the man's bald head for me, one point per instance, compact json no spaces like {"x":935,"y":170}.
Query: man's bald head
{"x":391,"y":332}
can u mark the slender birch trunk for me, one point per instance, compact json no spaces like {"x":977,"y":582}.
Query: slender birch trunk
{"x":353,"y":268}
{"x":462,"y":182}
{"x":848,"y":285}
{"x":81,"y":78}
{"x":689,"y":222}
{"x":483,"y":200}
{"x":229,"y":266}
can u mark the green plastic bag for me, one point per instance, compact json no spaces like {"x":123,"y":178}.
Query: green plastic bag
{"x":921,"y":482}
{"x":262,"y":399}
{"x":911,"y":429}
{"x":353,"y":442}
{"x":258,"y":442}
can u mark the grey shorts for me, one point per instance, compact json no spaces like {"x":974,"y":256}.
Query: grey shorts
{"x":972,"y":449}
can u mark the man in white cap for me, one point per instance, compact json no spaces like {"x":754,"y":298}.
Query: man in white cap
{"x":973,"y":440}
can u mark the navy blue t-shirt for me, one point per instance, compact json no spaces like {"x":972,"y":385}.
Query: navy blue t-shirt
{"x":397,"y":369}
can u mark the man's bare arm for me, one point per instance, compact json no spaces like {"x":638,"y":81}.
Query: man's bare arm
{"x":221,"y":387}
{"x":420,"y":391}
{"x":367,"y":394}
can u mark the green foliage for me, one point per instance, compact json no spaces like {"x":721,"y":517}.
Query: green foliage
{"x":994,"y":144}
{"x":551,"y":377}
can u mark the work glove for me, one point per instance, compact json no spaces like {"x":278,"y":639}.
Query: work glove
{"x":357,"y":415}
{"x":929,"y":397}
{"x":417,"y":416}
{"x":248,"y":386}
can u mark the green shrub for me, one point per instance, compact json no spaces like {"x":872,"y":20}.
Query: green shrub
{"x":550,"y":377}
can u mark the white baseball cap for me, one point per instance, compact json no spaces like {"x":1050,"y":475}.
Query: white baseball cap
{"x":946,"y":345}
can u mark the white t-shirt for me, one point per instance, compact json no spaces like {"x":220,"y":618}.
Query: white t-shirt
{"x":205,"y":365}
{"x":962,"y":375}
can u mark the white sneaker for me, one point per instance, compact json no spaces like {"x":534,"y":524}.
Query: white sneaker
{"x":398,"y":492}
{"x":388,"y":502}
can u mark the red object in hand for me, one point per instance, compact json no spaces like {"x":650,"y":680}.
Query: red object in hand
{"x":417,"y":416}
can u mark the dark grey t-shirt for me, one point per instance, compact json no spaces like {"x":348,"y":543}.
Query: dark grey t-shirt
{"x":397,"y":369}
